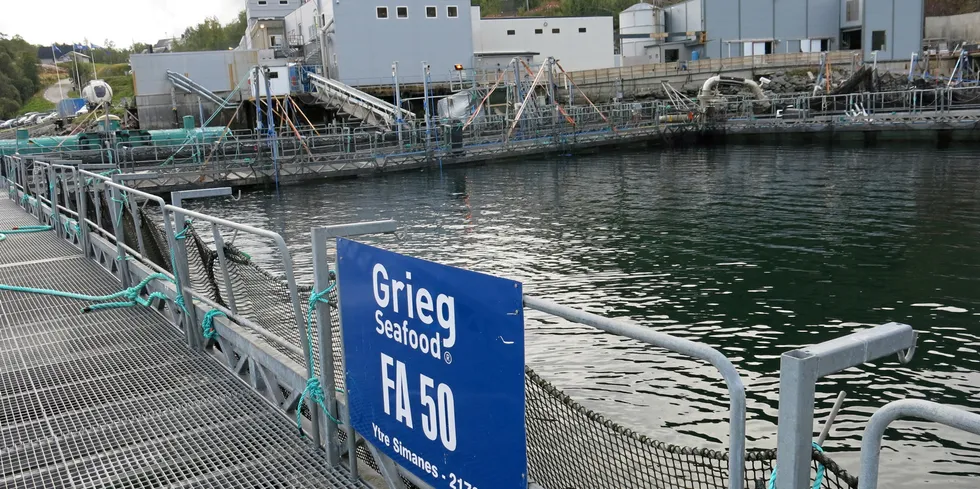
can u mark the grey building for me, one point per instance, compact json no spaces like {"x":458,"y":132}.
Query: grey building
{"x":364,"y":37}
{"x":270,"y":9}
{"x":730,"y":28}
{"x":217,"y":71}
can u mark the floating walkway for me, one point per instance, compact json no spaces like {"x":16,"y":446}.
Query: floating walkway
{"x":115,"y":398}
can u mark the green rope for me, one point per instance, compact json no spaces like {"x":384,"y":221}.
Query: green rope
{"x":23,"y":230}
{"x":207,"y":325}
{"x":125,"y":298}
{"x":313,"y":388}
{"x":71,"y":224}
{"x":817,"y":481}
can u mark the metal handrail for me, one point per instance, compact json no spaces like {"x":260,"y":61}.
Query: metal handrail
{"x":906,"y":408}
{"x":701,"y":351}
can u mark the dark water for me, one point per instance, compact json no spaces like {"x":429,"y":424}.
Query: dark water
{"x":754,"y":250}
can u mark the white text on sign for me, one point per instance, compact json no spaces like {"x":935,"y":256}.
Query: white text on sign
{"x":401,"y":297}
{"x":439,"y":409}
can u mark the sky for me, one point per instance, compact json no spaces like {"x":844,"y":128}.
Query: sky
{"x":122,"y":21}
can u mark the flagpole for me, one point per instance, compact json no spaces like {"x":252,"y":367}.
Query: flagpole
{"x":91,"y":57}
{"x":78,"y":83}
{"x":57,"y":73}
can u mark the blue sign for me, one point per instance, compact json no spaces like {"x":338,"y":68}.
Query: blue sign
{"x":435,"y":367}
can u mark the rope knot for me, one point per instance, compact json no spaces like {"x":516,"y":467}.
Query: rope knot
{"x":207,"y":324}
{"x":313,"y":390}
{"x":182,"y":234}
{"x":818,"y":480}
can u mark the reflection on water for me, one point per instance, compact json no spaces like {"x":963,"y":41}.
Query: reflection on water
{"x":754,"y":250}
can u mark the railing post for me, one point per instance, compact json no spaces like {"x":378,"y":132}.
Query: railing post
{"x":117,"y":213}
{"x":81,"y":193}
{"x":324,"y":330}
{"x":53,"y":201}
{"x":219,"y":247}
{"x":324,"y":326}
{"x":182,"y":274}
{"x":798,"y":374}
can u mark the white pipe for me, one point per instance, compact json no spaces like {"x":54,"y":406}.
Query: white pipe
{"x":712,"y":82}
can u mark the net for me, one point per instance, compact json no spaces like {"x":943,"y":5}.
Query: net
{"x":569,"y":445}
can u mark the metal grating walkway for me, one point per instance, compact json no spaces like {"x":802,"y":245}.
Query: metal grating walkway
{"x":116,"y":399}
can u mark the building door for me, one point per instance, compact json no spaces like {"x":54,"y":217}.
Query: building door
{"x":850,"y":39}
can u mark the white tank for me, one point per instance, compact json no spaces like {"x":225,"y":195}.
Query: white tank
{"x":637,"y":24}
{"x":97,"y":92}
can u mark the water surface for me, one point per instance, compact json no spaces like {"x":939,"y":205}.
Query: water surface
{"x":754,"y":250}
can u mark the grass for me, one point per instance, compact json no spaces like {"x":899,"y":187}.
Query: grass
{"x":37,"y":103}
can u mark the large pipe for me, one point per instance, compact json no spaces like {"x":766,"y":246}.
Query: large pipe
{"x":711,"y":83}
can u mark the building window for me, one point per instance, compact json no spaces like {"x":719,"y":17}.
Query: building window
{"x":671,"y":55}
{"x":401,"y":12}
{"x":382,"y":12}
{"x":430,"y":12}
{"x":877,"y":40}
{"x":283,"y":2}
{"x":581,"y":29}
{"x":852,"y":11}
{"x":452,"y":11}
{"x":556,"y":31}
{"x":511,"y":32}
{"x":539,"y":31}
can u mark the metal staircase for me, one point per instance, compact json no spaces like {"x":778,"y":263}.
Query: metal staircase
{"x":357,"y":104}
{"x":311,"y":53}
{"x":190,"y":86}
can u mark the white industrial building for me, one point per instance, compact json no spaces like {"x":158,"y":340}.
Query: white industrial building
{"x":578,"y":43}
{"x":891,"y":29}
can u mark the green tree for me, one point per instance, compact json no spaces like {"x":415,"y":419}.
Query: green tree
{"x":210,"y":35}
{"x":18,"y":74}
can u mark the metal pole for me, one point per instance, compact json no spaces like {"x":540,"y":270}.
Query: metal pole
{"x":830,"y":419}
{"x":57,"y":73}
{"x":551,"y":89}
{"x":116,"y":211}
{"x":219,"y":247}
{"x":182,"y":270}
{"x":398,"y":103}
{"x":799,"y":371}
{"x":324,"y":331}
{"x":200,"y":109}
{"x":425,"y":104}
{"x":53,"y":200}
{"x":91,"y":58}
{"x":258,"y":99}
{"x":78,"y":75}
{"x":272,"y":128}
{"x":81,"y":192}
{"x":321,"y":271}
{"x":173,"y":104}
